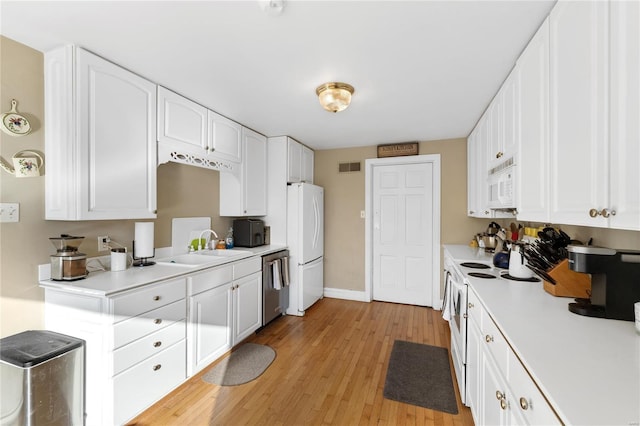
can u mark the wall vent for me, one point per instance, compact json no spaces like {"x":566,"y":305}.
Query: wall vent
{"x":349,"y":167}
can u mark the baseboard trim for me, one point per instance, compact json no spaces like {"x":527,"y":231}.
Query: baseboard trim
{"x":339,"y":293}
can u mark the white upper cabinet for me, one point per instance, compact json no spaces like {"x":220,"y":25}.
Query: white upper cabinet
{"x":100,"y":139}
{"x":624,"y":140}
{"x":533,"y":151}
{"x":307,"y":164}
{"x":225,"y":138}
{"x":181,"y":120}
{"x":299,"y":162}
{"x":578,"y":106}
{"x":244,"y":193}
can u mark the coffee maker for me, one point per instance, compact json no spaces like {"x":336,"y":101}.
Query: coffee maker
{"x":615,"y":281}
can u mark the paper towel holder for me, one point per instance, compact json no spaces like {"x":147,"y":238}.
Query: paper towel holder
{"x":142,"y":261}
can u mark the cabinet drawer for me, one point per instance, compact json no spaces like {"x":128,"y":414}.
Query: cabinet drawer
{"x":527,"y":398}
{"x":148,"y":298}
{"x":210,"y":279}
{"x":147,"y":346}
{"x":142,"y":325}
{"x":247,"y":267}
{"x":140,"y":386}
{"x":494,"y":341}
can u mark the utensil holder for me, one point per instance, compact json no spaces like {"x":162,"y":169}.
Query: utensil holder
{"x":568,"y":283}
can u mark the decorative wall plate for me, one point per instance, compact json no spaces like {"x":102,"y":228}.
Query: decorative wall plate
{"x":13,"y":123}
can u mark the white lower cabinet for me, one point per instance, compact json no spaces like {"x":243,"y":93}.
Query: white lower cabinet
{"x":500,"y":391}
{"x":143,"y":343}
{"x":223,"y":310}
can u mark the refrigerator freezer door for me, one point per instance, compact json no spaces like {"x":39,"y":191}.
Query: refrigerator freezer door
{"x":312,"y":288}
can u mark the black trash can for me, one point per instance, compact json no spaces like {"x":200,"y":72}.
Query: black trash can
{"x":42,"y":376}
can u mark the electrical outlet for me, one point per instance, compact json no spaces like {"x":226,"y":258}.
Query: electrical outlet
{"x":103,"y":243}
{"x":9,"y":212}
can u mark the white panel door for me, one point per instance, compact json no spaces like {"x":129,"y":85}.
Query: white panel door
{"x":402,"y":237}
{"x":247,"y":306}
{"x":181,"y":120}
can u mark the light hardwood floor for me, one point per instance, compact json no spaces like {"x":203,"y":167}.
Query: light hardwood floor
{"x":330,"y":369}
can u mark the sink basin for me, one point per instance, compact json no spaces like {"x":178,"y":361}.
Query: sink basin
{"x":186,"y":260}
{"x":224,"y":253}
{"x":205,"y":257}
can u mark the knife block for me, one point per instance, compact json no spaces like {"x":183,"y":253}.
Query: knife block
{"x":568,"y":283}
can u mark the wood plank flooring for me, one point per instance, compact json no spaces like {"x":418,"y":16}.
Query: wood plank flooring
{"x":330,"y":369}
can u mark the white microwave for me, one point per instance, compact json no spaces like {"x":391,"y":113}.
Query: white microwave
{"x":502,"y":186}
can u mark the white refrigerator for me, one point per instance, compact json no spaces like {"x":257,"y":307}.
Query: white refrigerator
{"x":305,"y":238}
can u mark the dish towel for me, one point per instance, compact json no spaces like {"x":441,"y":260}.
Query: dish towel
{"x":446,"y":301}
{"x":275,"y":267}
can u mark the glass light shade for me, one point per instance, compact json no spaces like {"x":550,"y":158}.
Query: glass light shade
{"x":334,"y":97}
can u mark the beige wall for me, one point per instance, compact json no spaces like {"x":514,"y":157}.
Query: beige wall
{"x":344,"y":199}
{"x":183,"y":191}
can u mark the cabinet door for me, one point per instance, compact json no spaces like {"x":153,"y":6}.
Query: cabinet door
{"x":210,"y":326}
{"x":116,"y":145}
{"x":578,"y":99}
{"x":472,"y":178}
{"x":533,"y":149}
{"x":494,"y":408}
{"x":254,"y":173}
{"x":247,"y":306}
{"x":624,"y":171}
{"x":225,"y":138}
{"x":473,"y":369}
{"x":510,"y":97}
{"x":495,"y":140}
{"x":294,"y":154}
{"x":307,"y":165}
{"x":181,"y":120}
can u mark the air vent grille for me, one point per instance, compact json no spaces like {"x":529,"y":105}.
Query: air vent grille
{"x":349,"y":167}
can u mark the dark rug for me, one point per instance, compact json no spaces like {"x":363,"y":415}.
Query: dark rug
{"x":420,"y":375}
{"x":243,"y":365}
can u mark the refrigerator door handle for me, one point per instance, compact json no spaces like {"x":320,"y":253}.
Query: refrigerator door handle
{"x":316,"y":228}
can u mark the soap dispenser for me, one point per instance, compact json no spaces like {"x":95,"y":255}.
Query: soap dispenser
{"x":229,"y":239}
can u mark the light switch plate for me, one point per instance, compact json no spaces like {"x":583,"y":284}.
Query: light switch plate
{"x":9,"y":212}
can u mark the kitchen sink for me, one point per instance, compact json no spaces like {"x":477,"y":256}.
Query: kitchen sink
{"x":224,"y":253}
{"x":186,"y":260}
{"x":205,"y":257}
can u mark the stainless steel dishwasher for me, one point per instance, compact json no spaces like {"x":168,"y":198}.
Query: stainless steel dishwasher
{"x":275,"y":285}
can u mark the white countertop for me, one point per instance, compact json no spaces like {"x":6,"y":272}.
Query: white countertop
{"x":107,"y":283}
{"x":587,"y":368}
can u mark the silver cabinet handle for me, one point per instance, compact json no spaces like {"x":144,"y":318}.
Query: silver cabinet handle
{"x":499,"y":395}
{"x":488,"y":338}
{"x":470,"y":305}
{"x":157,"y":367}
{"x":157,"y":344}
{"x":156,"y":298}
{"x":594,"y":213}
{"x":503,"y":404}
{"x":465,"y":316}
{"x":524,"y":404}
{"x":157,"y":321}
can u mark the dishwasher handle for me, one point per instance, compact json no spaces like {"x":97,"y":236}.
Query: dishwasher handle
{"x":284,"y":271}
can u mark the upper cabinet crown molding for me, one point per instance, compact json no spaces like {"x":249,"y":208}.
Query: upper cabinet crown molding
{"x":101,"y":122}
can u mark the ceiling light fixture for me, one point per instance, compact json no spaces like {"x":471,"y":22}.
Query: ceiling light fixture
{"x":334,"y":97}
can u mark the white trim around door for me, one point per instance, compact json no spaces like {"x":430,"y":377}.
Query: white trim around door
{"x":370,"y":165}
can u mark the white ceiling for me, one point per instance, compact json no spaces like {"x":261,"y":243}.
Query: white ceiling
{"x":422,"y":70}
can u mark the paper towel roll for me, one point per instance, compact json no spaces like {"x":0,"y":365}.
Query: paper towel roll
{"x":143,"y":240}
